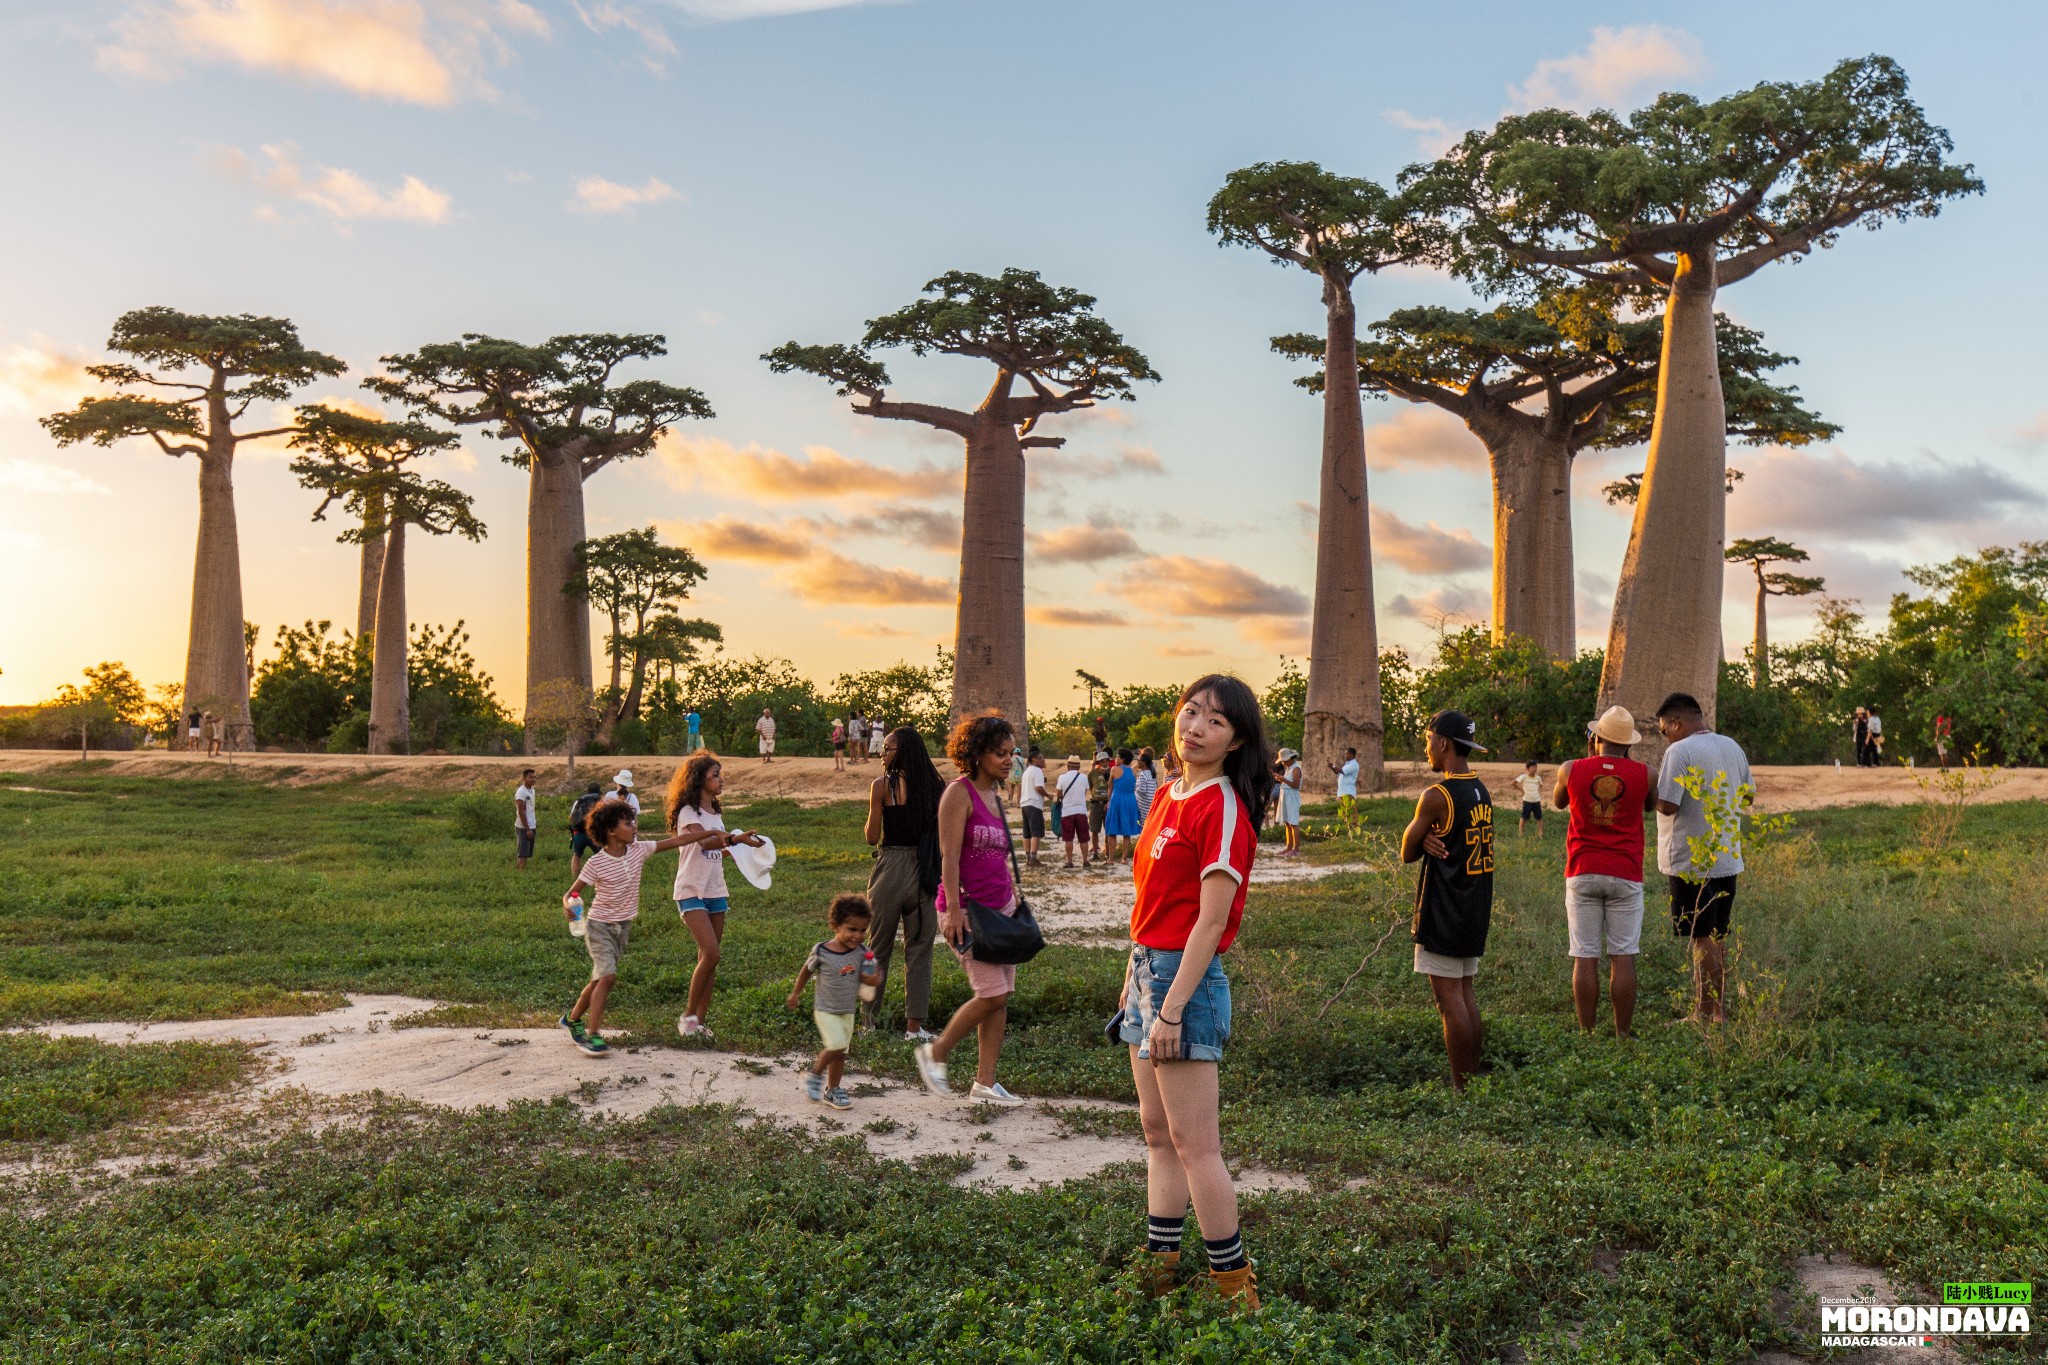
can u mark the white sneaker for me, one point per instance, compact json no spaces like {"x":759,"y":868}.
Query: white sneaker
{"x":923,"y":1035}
{"x":932,"y":1070}
{"x":689,"y":1026}
{"x":993,"y":1094}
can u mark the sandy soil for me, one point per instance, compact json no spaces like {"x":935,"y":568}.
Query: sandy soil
{"x":355,"y":1050}
{"x":812,"y":781}
{"x":1092,"y":906}
{"x":1828,"y":1280}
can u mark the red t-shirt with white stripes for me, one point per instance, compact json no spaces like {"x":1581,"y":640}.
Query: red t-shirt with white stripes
{"x":1188,"y":835}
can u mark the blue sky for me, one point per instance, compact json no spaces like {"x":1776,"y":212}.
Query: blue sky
{"x":737,"y":173}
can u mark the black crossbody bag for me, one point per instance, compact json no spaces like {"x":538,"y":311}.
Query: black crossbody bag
{"x":996,"y":938}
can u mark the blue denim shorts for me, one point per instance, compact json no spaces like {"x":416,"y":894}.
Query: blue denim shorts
{"x":716,"y":905}
{"x":1204,"y":1024}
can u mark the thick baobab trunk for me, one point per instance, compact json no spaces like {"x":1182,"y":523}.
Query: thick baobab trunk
{"x":369,"y":570}
{"x":216,"y":664}
{"x":390,"y":702}
{"x":557,"y":622}
{"x":1666,"y":633}
{"x":1533,"y":585}
{"x":1760,"y":651}
{"x":1343,"y":704}
{"x":988,"y":636}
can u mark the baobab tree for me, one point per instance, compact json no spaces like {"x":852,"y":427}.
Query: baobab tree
{"x":224,"y":365}
{"x":1758,"y":552}
{"x":629,"y":577}
{"x":1593,"y":378}
{"x":566,"y":418}
{"x":1043,"y":336}
{"x":364,"y":463}
{"x":1337,"y":228}
{"x":1676,"y":201}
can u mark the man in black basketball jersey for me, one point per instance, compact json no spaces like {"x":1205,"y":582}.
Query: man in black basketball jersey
{"x":1452,"y":836}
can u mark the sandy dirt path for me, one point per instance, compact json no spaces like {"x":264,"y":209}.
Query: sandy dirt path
{"x":812,"y":781}
{"x":355,"y":1050}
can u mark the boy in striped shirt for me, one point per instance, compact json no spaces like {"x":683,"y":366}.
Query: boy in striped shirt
{"x":613,"y":876}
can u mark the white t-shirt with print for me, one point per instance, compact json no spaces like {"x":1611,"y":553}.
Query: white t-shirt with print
{"x":522,"y":808}
{"x":617,"y":882}
{"x":701,"y":873}
{"x":1073,"y":789}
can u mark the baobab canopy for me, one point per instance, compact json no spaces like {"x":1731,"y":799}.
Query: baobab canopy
{"x":1049,"y":338}
{"x":1677,"y":199}
{"x":558,"y":404}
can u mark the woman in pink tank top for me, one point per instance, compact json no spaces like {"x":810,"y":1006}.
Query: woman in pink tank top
{"x":974,"y":843}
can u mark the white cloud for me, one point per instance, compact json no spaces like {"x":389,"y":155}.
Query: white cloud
{"x":805,"y":567}
{"x":1433,"y":136}
{"x":820,"y":474}
{"x":1426,"y":549}
{"x":720,"y":11}
{"x":1423,"y":436}
{"x":405,"y":51}
{"x":1616,"y":66}
{"x":2031,"y":435}
{"x":595,"y":194}
{"x":1829,"y":495}
{"x":602,"y":16}
{"x":1089,"y":542}
{"x":30,"y":476}
{"x":1440,"y":607}
{"x":1083,"y":617}
{"x":1060,"y":469}
{"x":1175,"y":587}
{"x":340,"y":194}
{"x":40,"y":378}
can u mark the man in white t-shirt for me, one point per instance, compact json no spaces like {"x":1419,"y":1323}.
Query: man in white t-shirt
{"x":765,"y":728}
{"x":523,"y":822}
{"x":1347,"y":773}
{"x":1529,"y":782}
{"x":1032,"y":803}
{"x":1072,"y":790}
{"x":1701,"y":857}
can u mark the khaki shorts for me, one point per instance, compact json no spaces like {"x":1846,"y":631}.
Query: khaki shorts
{"x":606,"y":941}
{"x":1436,"y":964}
{"x":1599,"y":910}
{"x":835,"y":1031}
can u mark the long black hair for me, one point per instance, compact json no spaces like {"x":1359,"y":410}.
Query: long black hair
{"x":1248,"y":767}
{"x":922,"y":785}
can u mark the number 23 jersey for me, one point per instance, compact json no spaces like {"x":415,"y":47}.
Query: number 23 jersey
{"x":1454,"y":898}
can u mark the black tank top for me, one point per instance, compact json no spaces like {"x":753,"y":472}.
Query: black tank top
{"x":899,"y":827}
{"x":1454,"y":898}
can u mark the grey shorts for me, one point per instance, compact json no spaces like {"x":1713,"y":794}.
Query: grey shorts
{"x":1603,"y":911}
{"x":606,"y":941}
{"x":522,"y":842}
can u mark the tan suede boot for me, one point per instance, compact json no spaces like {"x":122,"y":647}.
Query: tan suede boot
{"x":1241,"y":1285}
{"x":1161,"y":1273}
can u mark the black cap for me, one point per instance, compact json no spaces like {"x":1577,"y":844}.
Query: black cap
{"x":1456,"y":725}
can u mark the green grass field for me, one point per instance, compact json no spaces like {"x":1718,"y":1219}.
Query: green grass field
{"x":1883,"y":1093}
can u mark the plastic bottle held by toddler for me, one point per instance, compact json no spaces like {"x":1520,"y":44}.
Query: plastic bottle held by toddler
{"x":577,"y":926}
{"x":868,"y":990}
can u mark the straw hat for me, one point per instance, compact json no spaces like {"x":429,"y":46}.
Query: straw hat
{"x":1073,"y":760}
{"x":1616,"y":726}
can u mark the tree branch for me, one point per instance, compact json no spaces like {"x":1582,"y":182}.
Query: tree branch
{"x":1041,"y":442}
{"x":931,"y":414}
{"x":185,"y":448}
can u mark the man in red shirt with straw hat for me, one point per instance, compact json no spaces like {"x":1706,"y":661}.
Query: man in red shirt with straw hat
{"x":1607,"y":793}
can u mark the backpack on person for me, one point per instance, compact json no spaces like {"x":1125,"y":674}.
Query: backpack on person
{"x":580,"y":811}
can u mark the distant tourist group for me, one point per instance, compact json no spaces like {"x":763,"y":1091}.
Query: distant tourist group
{"x":945,"y":868}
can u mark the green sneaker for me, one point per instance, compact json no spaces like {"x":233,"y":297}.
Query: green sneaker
{"x":574,"y":1027}
{"x":593,"y":1044}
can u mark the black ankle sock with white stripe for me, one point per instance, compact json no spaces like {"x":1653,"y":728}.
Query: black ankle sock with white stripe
{"x":1226,"y":1253}
{"x":1163,"y":1234}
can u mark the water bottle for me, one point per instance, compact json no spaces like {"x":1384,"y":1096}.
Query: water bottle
{"x":868,"y":990}
{"x":577,"y":927}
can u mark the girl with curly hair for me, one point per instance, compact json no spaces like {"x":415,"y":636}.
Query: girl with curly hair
{"x":974,"y":848}
{"x":692,"y":807}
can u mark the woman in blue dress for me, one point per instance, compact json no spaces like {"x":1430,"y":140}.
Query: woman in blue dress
{"x":1121,"y":824}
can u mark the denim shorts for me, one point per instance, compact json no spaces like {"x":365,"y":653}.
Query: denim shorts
{"x":1204,"y":1023}
{"x":716,"y":905}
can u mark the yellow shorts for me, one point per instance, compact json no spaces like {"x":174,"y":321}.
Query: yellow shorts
{"x":834,"y":1030}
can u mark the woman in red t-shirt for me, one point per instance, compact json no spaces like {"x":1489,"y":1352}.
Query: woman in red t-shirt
{"x":1191,"y":866}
